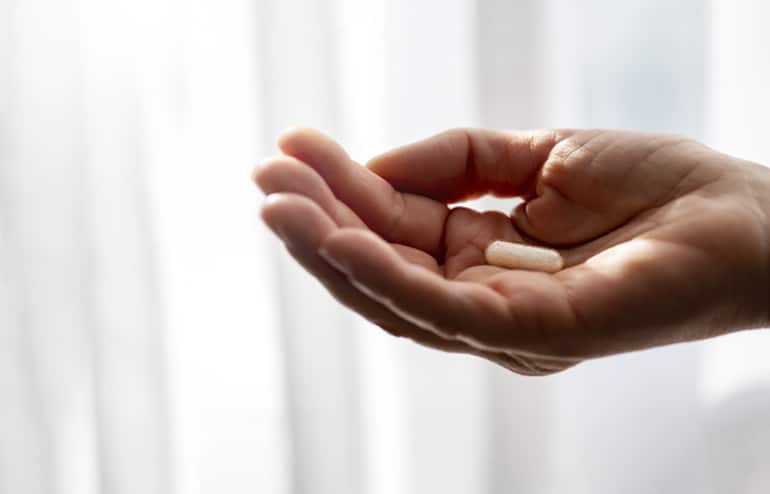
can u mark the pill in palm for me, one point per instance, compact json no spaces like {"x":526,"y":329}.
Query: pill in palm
{"x":519,"y":256}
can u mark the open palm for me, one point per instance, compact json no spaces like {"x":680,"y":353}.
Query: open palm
{"x":663,"y":239}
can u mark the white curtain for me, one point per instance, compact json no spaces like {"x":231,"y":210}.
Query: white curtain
{"x":154,"y":338}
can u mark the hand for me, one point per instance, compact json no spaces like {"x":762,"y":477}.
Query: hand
{"x":664,"y":239}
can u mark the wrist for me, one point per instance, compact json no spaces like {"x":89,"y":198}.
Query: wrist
{"x":756,"y":191}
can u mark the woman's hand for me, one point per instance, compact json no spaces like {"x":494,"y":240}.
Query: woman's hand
{"x":664,"y":239}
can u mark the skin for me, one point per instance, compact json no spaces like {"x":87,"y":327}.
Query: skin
{"x":664,"y":239}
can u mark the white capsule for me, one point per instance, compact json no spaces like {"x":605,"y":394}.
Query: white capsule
{"x":520,"y":256}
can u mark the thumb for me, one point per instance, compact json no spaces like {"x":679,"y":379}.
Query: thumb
{"x":461,"y":164}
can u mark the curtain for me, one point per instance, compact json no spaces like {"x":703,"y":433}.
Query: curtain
{"x":155,"y":338}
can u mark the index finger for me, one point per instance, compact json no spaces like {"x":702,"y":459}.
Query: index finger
{"x":402,"y":218}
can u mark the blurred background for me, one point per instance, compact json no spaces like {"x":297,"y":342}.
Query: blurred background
{"x":154,"y":338}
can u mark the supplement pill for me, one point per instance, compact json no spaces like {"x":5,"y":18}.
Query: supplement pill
{"x":520,"y":256}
